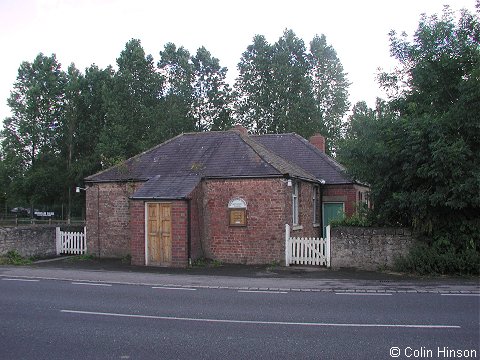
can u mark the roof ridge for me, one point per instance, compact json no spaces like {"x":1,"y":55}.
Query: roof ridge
{"x":255,"y":146}
{"x":329,"y":160}
{"x":289,"y":133}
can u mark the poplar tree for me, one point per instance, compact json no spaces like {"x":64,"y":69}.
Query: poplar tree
{"x":282,"y":87}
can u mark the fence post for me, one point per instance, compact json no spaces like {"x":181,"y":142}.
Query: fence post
{"x":287,"y":245}
{"x":58,"y":239}
{"x":84,"y":240}
{"x":328,"y":246}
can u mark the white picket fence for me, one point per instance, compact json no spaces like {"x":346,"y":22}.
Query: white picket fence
{"x":307,"y":251}
{"x":69,"y":242}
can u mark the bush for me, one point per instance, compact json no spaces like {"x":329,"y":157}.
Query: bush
{"x":363,"y":217}
{"x":14,"y":258}
{"x":435,"y":259}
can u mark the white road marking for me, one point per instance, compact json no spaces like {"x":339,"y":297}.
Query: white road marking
{"x":262,"y":292}
{"x":90,"y":284}
{"x":30,"y":280}
{"x":172,"y":288}
{"x":460,"y":294}
{"x":232,"y":321}
{"x":365,"y":294}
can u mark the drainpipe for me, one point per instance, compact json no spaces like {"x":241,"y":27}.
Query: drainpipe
{"x":189,"y":231}
{"x":322,"y":182}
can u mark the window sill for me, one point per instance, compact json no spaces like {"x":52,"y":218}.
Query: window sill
{"x":297,"y":227}
{"x":316,"y":225}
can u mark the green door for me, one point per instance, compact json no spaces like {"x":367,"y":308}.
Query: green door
{"x":331,"y":211}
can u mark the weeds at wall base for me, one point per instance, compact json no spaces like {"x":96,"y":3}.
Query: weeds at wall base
{"x":14,"y":258}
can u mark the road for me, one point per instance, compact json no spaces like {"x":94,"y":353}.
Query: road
{"x":52,"y":319}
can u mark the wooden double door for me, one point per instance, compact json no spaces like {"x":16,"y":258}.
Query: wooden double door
{"x":159,"y":233}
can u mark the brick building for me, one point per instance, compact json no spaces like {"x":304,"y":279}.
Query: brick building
{"x":220,"y":195}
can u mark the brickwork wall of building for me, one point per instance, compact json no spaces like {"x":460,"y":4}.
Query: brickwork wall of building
{"x":196,"y":223}
{"x":342,"y":193}
{"x":116,"y":225}
{"x":269,"y":208}
{"x":306,"y":226}
{"x":137,"y":232}
{"x":108,"y":218}
{"x":179,"y":233}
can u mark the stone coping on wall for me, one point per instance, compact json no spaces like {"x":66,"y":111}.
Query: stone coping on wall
{"x":366,"y":231}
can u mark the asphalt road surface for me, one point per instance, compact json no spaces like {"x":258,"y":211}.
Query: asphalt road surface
{"x":51,"y":319}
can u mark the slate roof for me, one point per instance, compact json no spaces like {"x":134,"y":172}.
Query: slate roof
{"x":167,"y":187}
{"x":172,"y":169}
{"x":296,"y":149}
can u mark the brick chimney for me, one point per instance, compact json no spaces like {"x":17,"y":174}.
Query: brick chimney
{"x":240,"y":129}
{"x":318,"y":141}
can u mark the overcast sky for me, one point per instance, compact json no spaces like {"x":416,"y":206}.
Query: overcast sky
{"x":95,"y":31}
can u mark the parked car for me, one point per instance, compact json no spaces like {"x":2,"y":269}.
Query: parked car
{"x":20,"y":211}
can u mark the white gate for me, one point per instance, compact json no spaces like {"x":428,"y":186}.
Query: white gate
{"x":69,"y":242}
{"x":307,"y":251}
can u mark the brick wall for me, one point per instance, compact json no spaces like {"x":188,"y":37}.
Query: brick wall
{"x":179,"y":233}
{"x":137,"y":232}
{"x":121,"y":229}
{"x":269,"y":208}
{"x":342,"y":193}
{"x":108,"y":218}
{"x":306,"y":226}
{"x":196,"y":223}
{"x":368,"y":248}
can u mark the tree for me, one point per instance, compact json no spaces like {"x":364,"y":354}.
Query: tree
{"x":211,"y":93}
{"x":273,"y":88}
{"x":330,"y":89}
{"x":294,"y":108}
{"x":87,"y":159}
{"x":421,"y":151}
{"x":196,"y":97}
{"x":36,"y":103}
{"x":131,"y":105}
{"x":84,"y":119}
{"x":284,"y":88}
{"x":5,"y":181}
{"x":254,"y":96}
{"x":32,"y":133}
{"x":177,"y":70}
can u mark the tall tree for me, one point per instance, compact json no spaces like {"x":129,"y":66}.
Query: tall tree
{"x":212,"y":95}
{"x":36,"y":103}
{"x":197,"y":96}
{"x":330,"y":89}
{"x":87,"y":159}
{"x":175,"y":66}
{"x":4,"y":185}
{"x":421,"y":152}
{"x":31,"y":137}
{"x":294,"y":108}
{"x":283,"y":88}
{"x":254,"y":96}
{"x":131,"y":104}
{"x":84,"y":120}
